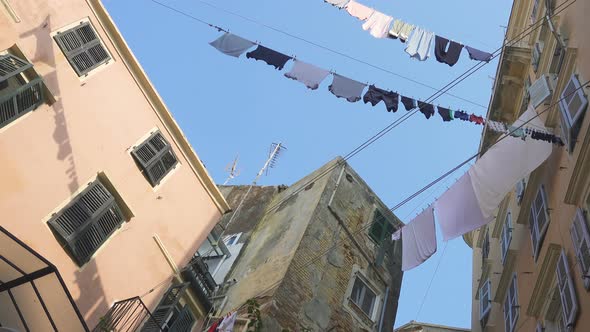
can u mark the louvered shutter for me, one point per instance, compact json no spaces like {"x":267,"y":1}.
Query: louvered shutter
{"x":573,"y":101}
{"x":520,"y":187}
{"x":11,"y":66}
{"x":485,"y":302}
{"x":156,"y":157}
{"x":539,"y":91}
{"x":184,"y":321}
{"x":506,"y":236}
{"x":567,"y":292}
{"x":581,"y":243}
{"x":534,"y":233}
{"x":86,"y":223}
{"x":164,"y":309}
{"x":83,"y":48}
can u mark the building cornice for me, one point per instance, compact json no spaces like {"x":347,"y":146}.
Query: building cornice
{"x":154,"y":99}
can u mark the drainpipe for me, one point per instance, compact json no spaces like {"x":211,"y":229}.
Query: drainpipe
{"x":383,"y":309}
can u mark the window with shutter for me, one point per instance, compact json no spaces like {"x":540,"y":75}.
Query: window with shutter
{"x":534,"y":11}
{"x":155,"y":157}
{"x":537,"y":52}
{"x":485,"y":248}
{"x":166,"y":313}
{"x":87,"y":222}
{"x":581,"y":243}
{"x":567,"y":292}
{"x":539,"y":91}
{"x":381,"y":228}
{"x":572,"y":106}
{"x":538,"y":220}
{"x":18,"y":95}
{"x":506,"y":236}
{"x":511,"y":307}
{"x":485,"y":302}
{"x":364,"y":298}
{"x":82,"y":47}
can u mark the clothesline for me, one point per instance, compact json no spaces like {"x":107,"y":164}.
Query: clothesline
{"x":351,"y":90}
{"x":419,"y":40}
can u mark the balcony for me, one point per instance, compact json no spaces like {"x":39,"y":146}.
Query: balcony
{"x":201,"y":282}
{"x":127,"y":315}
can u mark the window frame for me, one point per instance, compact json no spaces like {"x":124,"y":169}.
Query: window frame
{"x":82,"y":238}
{"x":484,"y":312}
{"x":538,"y":231}
{"x":376,"y":302}
{"x":387,"y":228}
{"x":506,"y":236}
{"x":85,"y":47}
{"x":511,"y":306}
{"x":570,"y":125}
{"x":580,"y":234}
{"x":155,"y":148}
{"x":565,"y":284}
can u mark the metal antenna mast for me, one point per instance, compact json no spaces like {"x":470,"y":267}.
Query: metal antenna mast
{"x":233,"y":170}
{"x":271,"y":161}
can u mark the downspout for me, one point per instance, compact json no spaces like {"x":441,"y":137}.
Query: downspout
{"x":548,"y":14}
{"x":383,"y":309}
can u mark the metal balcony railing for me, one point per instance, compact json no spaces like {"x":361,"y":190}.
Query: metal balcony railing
{"x":201,"y":281}
{"x":127,"y":315}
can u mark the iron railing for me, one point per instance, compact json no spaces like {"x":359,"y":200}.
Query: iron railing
{"x":201,"y":281}
{"x":127,"y":315}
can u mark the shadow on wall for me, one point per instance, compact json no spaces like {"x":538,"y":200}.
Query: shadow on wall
{"x":44,"y":53}
{"x":91,"y":301}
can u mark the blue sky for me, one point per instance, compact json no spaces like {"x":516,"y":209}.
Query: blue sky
{"x":229,"y":106}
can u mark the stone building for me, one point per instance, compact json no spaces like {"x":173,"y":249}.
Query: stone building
{"x":316,"y":255}
{"x":531,"y":265}
{"x":414,"y":326}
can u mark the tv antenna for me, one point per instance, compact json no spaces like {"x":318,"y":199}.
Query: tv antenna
{"x":233,"y":170}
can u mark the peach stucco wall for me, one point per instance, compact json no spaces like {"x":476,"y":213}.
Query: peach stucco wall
{"x":555,"y":175}
{"x":49,"y":154}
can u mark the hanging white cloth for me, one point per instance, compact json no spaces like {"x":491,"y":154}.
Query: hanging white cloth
{"x":227,"y":325}
{"x":418,"y":240}
{"x":497,"y":172}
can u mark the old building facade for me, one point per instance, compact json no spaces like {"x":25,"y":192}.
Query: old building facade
{"x":316,"y":255}
{"x":531,"y":265}
{"x":98,"y":181}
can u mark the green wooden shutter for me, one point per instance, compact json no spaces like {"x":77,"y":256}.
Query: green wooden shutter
{"x":83,"y":48}
{"x":164,"y":309}
{"x":184,"y":321}
{"x":86,"y":223}
{"x":156,"y":157}
{"x":11,"y":66}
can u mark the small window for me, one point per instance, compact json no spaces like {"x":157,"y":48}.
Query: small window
{"x":87,"y":222}
{"x":581,"y":242}
{"x":83,"y":48}
{"x":364,"y":297}
{"x":381,"y":228}
{"x":567,"y":292}
{"x":511,"y":307}
{"x":506,"y":236}
{"x":538,"y":220}
{"x":18,"y":94}
{"x":572,"y":106}
{"x":155,"y":157}
{"x":170,"y":314}
{"x":485,"y":302}
{"x":534,"y":11}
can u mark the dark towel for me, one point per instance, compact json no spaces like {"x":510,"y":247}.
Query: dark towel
{"x":450,"y":56}
{"x":271,"y":57}
{"x":374,"y":95}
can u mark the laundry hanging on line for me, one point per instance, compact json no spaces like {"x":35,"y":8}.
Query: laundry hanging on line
{"x":351,"y":90}
{"x":418,"y":240}
{"x":419,"y":40}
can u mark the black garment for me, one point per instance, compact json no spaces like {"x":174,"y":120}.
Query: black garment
{"x":426,"y":109}
{"x":450,"y":56}
{"x":408,"y":103}
{"x":374,"y":95}
{"x":461,"y":115}
{"x":271,"y":57}
{"x":444,"y":113}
